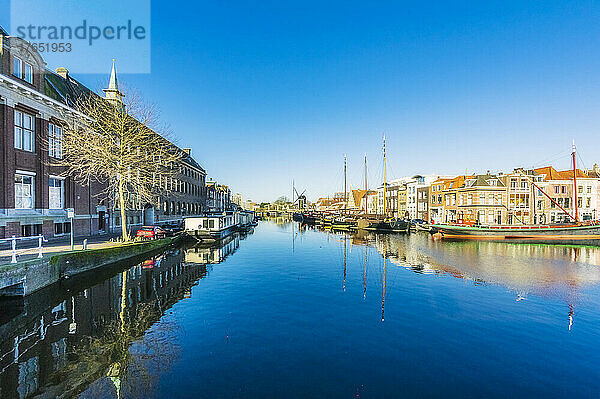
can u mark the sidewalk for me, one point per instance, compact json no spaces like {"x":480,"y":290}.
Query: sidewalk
{"x":28,"y":249}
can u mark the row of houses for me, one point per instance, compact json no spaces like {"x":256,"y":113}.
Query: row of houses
{"x":523,"y":196}
{"x":34,"y":194}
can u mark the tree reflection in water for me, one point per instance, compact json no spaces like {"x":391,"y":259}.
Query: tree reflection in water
{"x":102,"y":336}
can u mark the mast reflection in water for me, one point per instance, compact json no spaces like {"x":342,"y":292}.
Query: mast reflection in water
{"x":296,"y":312}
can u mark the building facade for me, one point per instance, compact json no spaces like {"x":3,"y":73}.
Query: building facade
{"x":35,"y":192}
{"x":481,"y":200}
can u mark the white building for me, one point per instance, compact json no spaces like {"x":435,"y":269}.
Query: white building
{"x":418,"y":181}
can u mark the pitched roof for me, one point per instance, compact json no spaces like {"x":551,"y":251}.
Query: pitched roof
{"x":484,"y":181}
{"x":553,"y":174}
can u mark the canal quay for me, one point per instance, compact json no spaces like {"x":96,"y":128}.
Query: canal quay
{"x":291,"y":311}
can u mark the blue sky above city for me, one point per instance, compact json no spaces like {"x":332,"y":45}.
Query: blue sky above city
{"x":269,"y":92}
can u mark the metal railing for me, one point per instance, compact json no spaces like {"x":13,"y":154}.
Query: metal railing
{"x":13,"y":241}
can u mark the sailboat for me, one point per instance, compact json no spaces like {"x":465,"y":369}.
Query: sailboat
{"x":577,"y":233}
{"x":344,"y":221}
{"x":386,"y":224}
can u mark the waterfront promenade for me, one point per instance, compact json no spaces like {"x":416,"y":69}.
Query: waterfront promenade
{"x":29,"y":249}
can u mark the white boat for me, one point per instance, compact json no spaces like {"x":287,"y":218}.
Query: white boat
{"x":212,"y":226}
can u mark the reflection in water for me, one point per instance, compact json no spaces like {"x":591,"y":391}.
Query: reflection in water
{"x":115,"y":335}
{"x":544,"y":270}
{"x":83,"y":337}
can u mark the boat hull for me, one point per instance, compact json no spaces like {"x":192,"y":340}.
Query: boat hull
{"x":391,"y":226}
{"x":566,"y":235}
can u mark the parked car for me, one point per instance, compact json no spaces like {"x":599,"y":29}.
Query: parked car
{"x":172,"y":229}
{"x":417,"y":221}
{"x":151,"y":232}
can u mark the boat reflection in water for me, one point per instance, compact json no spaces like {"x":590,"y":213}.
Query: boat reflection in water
{"x":83,"y":335}
{"x":558,"y":272}
{"x":216,"y":253}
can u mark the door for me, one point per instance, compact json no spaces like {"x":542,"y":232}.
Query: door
{"x":148,"y":215}
{"x":101,"y":221}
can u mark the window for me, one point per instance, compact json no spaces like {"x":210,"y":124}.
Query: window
{"x":563,"y":189}
{"x":56,"y":193}
{"x":28,"y":230}
{"x":567,"y":203}
{"x":65,"y":228}
{"x":580,"y":189}
{"x":24,"y":127}
{"x":556,"y":189}
{"x":27,"y":73}
{"x":24,"y":192}
{"x":55,"y":141}
{"x":18,"y":68}
{"x":22,"y":70}
{"x":589,"y":189}
{"x":513,"y":183}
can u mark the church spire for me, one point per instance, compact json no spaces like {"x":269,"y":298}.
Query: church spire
{"x":113,"y":93}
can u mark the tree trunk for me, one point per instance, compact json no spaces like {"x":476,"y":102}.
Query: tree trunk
{"x":123,"y":217}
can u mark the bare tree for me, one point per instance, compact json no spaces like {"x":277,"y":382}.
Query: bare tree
{"x":116,"y":142}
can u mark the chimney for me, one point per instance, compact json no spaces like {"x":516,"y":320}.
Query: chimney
{"x":63,"y":72}
{"x":188,"y":151}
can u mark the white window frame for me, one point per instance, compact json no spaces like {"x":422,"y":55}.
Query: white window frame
{"x":22,"y":70}
{"x":62,"y":192}
{"x":18,"y":67}
{"x":28,"y":72}
{"x":23,"y":174}
{"x":55,"y":137}
{"x":21,"y":131}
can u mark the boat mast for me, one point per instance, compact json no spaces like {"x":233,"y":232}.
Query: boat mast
{"x":575,"y":184}
{"x":345,"y":194}
{"x":366,"y":187}
{"x":384,"y":184}
{"x":293,"y":190}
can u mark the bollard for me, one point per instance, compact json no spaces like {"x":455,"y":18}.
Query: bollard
{"x":85,"y":244}
{"x":14,"y":250}
{"x":40,"y":238}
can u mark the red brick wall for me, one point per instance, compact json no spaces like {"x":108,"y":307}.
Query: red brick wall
{"x":48,"y":228}
{"x":12,"y":229}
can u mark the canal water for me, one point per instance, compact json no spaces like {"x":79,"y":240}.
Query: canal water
{"x":287,"y":311}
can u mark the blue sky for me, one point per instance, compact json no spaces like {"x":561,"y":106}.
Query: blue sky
{"x":269,"y":92}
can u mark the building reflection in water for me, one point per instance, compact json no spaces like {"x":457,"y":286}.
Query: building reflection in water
{"x":558,"y":272}
{"x":78,"y":336}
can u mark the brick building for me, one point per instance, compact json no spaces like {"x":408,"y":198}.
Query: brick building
{"x":35,"y":194}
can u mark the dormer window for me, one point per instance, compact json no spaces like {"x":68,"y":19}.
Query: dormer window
{"x":23,"y":70}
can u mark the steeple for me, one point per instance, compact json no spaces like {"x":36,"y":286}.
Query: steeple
{"x":113,"y":93}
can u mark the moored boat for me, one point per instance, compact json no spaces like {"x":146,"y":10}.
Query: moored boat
{"x":392,"y":225}
{"x":575,"y":234}
{"x":213,"y":227}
